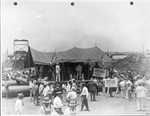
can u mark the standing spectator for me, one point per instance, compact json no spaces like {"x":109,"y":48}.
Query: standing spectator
{"x":140,"y":95}
{"x":92,"y":89}
{"x":57,"y":72}
{"x":50,"y":91}
{"x":72,"y":95}
{"x":68,"y":88}
{"x":74,"y":84}
{"x":31,"y":93}
{"x":46,"y":89}
{"x":117,"y":88}
{"x":84,"y":96}
{"x":19,"y":104}
{"x":128,"y":85}
{"x":129,"y":91}
{"x":41,"y":88}
{"x":122,"y":86}
{"x":148,"y":86}
{"x":7,"y":89}
{"x":46,"y":107}
{"x":58,"y":103}
{"x":35,"y":90}
{"x":79,"y":71}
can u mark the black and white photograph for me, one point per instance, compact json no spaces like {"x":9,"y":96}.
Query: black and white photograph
{"x":75,"y":57}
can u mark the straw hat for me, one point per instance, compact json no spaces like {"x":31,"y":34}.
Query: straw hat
{"x":58,"y":92}
{"x":20,"y":95}
{"x":46,"y":100}
{"x":34,"y":81}
{"x":73,"y":88}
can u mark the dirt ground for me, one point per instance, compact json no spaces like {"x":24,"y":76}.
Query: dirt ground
{"x":103,"y":105}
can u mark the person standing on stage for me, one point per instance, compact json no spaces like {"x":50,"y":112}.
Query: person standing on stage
{"x":57,"y":72}
{"x":84,"y":96}
{"x":79,"y":71}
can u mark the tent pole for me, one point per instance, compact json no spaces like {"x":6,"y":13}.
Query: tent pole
{"x":88,"y":70}
{"x":36,"y":69}
{"x":64,"y":71}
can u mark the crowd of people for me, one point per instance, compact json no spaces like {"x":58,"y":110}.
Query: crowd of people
{"x":52,"y":96}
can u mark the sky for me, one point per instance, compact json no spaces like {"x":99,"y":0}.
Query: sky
{"x":50,"y":25}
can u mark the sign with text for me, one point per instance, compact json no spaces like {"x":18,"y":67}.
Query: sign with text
{"x":99,"y":72}
{"x":111,"y":83}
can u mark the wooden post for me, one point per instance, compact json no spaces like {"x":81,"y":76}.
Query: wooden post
{"x":29,"y":60}
{"x":88,"y":70}
{"x":7,"y":90}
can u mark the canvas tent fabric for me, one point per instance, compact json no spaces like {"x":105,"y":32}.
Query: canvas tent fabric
{"x":74,"y":54}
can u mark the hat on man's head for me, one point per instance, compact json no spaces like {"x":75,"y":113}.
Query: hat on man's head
{"x":34,"y":81}
{"x":83,"y":84}
{"x":46,"y":100}
{"x":20,"y":95}
{"x":73,"y":88}
{"x":58,"y":92}
{"x":125,"y":78}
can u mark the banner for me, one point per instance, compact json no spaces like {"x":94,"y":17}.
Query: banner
{"x":111,"y":83}
{"x":99,"y":72}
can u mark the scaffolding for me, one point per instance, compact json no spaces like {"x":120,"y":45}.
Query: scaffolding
{"x":19,"y":47}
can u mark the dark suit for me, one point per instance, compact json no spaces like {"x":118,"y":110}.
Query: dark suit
{"x":92,"y":89}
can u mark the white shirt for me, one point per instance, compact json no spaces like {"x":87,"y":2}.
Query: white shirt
{"x":84,"y":92}
{"x":69,"y":112}
{"x":41,"y":87}
{"x":72,"y":95}
{"x":30,"y":85}
{"x":68,"y":88}
{"x":45,"y":91}
{"x":128,"y":82}
{"x":57,"y":69}
{"x":19,"y":106}
{"x":141,"y":91}
{"x":42,"y":109}
{"x":57,"y":102}
{"x":53,"y":113}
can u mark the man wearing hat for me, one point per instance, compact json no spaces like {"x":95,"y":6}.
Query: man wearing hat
{"x":72,"y":95}
{"x":19,"y":104}
{"x":84,"y":96}
{"x":35,"y":90}
{"x":58,"y":102}
{"x":57,"y":72}
{"x":140,"y":95}
{"x":72,"y":109}
{"x":46,"y":108}
{"x":92,"y":89}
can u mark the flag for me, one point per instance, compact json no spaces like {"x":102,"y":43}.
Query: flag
{"x":53,"y":60}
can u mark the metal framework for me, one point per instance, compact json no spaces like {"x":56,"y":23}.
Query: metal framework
{"x":21,"y":45}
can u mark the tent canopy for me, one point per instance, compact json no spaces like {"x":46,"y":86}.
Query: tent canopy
{"x":93,"y":54}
